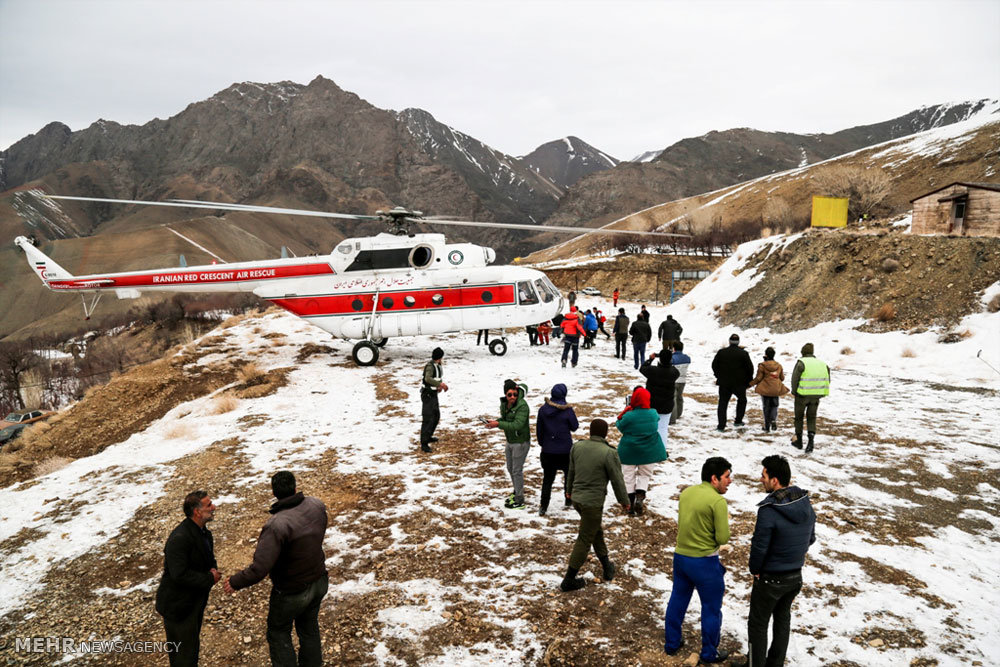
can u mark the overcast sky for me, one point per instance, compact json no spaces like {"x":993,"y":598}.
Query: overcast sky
{"x":626,"y":77}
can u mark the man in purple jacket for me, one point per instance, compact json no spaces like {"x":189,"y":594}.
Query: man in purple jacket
{"x":556,"y":420}
{"x":290,"y":550}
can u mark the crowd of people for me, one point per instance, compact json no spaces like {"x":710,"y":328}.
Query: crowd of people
{"x":785,"y":524}
{"x":289,"y":549}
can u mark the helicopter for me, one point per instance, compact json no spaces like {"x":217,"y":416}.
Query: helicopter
{"x":368,"y":289}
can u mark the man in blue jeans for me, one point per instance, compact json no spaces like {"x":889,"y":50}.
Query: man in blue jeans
{"x":290,"y":550}
{"x":702,"y":527}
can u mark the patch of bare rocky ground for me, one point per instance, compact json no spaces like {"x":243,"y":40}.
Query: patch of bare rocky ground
{"x":830,"y":275}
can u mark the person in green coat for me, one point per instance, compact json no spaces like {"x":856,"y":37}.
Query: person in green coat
{"x":592,"y":464}
{"x":640,"y":447}
{"x":514,"y":413}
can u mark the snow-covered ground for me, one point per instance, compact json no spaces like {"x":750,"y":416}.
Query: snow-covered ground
{"x":900,"y":546}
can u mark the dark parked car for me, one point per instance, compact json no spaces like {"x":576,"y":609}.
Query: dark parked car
{"x":10,"y":433}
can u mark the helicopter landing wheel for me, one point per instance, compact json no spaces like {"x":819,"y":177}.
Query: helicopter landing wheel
{"x":365,"y":353}
{"x":380,"y":342}
{"x":498,"y":348}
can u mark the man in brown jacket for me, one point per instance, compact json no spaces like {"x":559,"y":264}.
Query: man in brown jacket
{"x":290,"y":550}
{"x":770,"y":388}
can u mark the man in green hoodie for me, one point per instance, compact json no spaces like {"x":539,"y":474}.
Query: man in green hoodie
{"x":702,"y":527}
{"x":514,"y":413}
{"x":592,"y":464}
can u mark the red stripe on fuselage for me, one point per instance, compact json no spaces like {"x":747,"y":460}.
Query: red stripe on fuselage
{"x":205,"y":276}
{"x":362,"y":303}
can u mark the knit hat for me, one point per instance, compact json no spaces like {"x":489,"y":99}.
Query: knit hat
{"x":508,"y":385}
{"x":735,"y":338}
{"x":599,"y":428}
{"x":559,"y":392}
{"x":807,"y":348}
{"x":438,"y":353}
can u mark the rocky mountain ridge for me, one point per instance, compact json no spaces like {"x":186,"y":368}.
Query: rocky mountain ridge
{"x":317,"y":145}
{"x":723,"y":158}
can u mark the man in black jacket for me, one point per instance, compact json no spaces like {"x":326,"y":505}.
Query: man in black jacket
{"x":641,"y":333}
{"x":660,"y":382}
{"x":290,"y":550}
{"x":786,"y":526}
{"x":189,"y":572}
{"x":620,"y":330}
{"x":733,"y":373}
{"x":669,"y":332}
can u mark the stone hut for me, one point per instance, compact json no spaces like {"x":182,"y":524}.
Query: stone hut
{"x":960,"y":209}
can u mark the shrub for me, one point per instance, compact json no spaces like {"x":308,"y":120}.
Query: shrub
{"x":224,"y":403}
{"x":886,"y":313}
{"x":907,"y":352}
{"x":890,"y":264}
{"x":250,"y":374}
{"x":864,"y":187}
{"x":846,"y":350}
{"x":994,"y":304}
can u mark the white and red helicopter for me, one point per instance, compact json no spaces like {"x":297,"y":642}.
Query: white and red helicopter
{"x":368,"y":289}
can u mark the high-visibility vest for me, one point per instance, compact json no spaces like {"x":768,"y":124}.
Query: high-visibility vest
{"x":815,"y":378}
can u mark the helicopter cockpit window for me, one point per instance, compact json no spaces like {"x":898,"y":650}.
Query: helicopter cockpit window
{"x":525,"y":293}
{"x":543,"y":290}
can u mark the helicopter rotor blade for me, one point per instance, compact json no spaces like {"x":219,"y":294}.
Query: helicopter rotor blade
{"x":252,"y":208}
{"x":216,"y":206}
{"x":541,"y":228}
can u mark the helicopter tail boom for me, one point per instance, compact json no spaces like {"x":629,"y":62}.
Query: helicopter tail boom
{"x":42,"y":264}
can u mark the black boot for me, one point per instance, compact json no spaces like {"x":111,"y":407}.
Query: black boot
{"x":631,"y":504}
{"x":767,"y":426}
{"x":571,"y":582}
{"x":809,"y":445}
{"x":424,"y":447}
{"x":609,"y":568}
{"x":640,"y":498}
{"x":797,"y":442}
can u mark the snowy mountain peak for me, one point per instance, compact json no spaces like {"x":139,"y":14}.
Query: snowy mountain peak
{"x":567,"y":160}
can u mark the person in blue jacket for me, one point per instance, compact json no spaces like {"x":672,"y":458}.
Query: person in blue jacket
{"x":590,"y":328}
{"x":556,"y":421}
{"x":640,"y":447}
